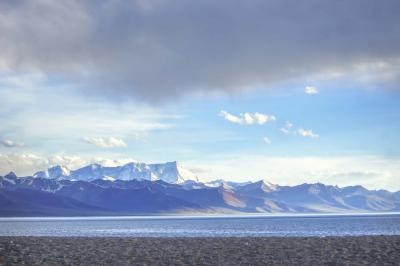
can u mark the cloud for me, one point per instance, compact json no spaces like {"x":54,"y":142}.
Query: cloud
{"x":311,"y":90}
{"x":358,"y":175}
{"x":25,"y":164}
{"x":68,"y":116}
{"x":22,"y":164}
{"x":247,"y":118}
{"x":112,"y":162}
{"x":148,"y":49}
{"x":287,"y":128}
{"x":110,"y":142}
{"x":11,"y":144}
{"x":267,"y":140}
{"x":307,"y":133}
{"x":72,"y":162}
{"x":197,"y":170}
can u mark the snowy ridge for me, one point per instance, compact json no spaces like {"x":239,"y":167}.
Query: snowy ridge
{"x":53,"y":172}
{"x":149,"y":193}
{"x":170,"y":172}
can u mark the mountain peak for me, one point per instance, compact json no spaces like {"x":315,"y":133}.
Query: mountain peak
{"x":260,"y":186}
{"x":11,"y":175}
{"x":170,"y":172}
{"x":267,"y":186}
{"x":357,"y":189}
{"x":95,"y":165}
{"x":60,"y":168}
{"x":57,"y":171}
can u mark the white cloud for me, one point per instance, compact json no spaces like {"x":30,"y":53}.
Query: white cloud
{"x":11,"y":144}
{"x":286,"y":129}
{"x":311,"y":90}
{"x":267,"y":140}
{"x":230,"y":118}
{"x":72,"y":162}
{"x":24,"y":164}
{"x":110,"y":142}
{"x":112,"y":162}
{"x":307,"y":133}
{"x":247,"y":118}
{"x":68,"y":116}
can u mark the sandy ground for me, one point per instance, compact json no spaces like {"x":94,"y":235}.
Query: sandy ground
{"x":366,"y":250}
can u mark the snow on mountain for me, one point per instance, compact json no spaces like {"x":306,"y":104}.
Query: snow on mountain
{"x":54,"y":172}
{"x":268,"y":186}
{"x":224,"y":183}
{"x":8,"y":179}
{"x":129,"y":195}
{"x":108,"y":178}
{"x":170,"y":172}
{"x":261,"y":186}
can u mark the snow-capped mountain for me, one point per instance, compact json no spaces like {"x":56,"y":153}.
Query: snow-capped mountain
{"x":261,"y":186}
{"x":107,"y":195}
{"x":54,"y":172}
{"x":170,"y":172}
{"x":226,"y":184}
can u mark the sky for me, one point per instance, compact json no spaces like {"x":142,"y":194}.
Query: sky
{"x":288,"y":91}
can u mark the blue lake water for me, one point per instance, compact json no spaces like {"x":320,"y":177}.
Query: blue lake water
{"x":191,"y":226}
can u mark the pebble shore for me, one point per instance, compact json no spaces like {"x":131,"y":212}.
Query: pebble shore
{"x":364,"y":250}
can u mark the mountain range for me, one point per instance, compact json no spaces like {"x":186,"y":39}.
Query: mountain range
{"x":139,"y":188}
{"x":170,"y":172}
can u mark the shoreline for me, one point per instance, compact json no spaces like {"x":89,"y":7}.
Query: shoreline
{"x":338,"y":250}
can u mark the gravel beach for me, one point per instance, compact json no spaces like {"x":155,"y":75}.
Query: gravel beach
{"x":364,"y":250}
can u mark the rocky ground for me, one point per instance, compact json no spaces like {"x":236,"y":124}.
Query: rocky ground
{"x":366,"y":250}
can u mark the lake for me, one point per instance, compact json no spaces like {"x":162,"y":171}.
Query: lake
{"x":205,"y":226}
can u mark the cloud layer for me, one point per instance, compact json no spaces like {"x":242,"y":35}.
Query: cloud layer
{"x":158,"y":49}
{"x":25,"y":164}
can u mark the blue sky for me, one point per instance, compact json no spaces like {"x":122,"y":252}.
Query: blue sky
{"x":355,"y":132}
{"x":287,"y":91}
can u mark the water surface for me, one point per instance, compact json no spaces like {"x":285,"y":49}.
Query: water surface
{"x":192,"y":226}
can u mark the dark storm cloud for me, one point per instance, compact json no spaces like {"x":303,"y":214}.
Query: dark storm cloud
{"x":162,"y":49}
